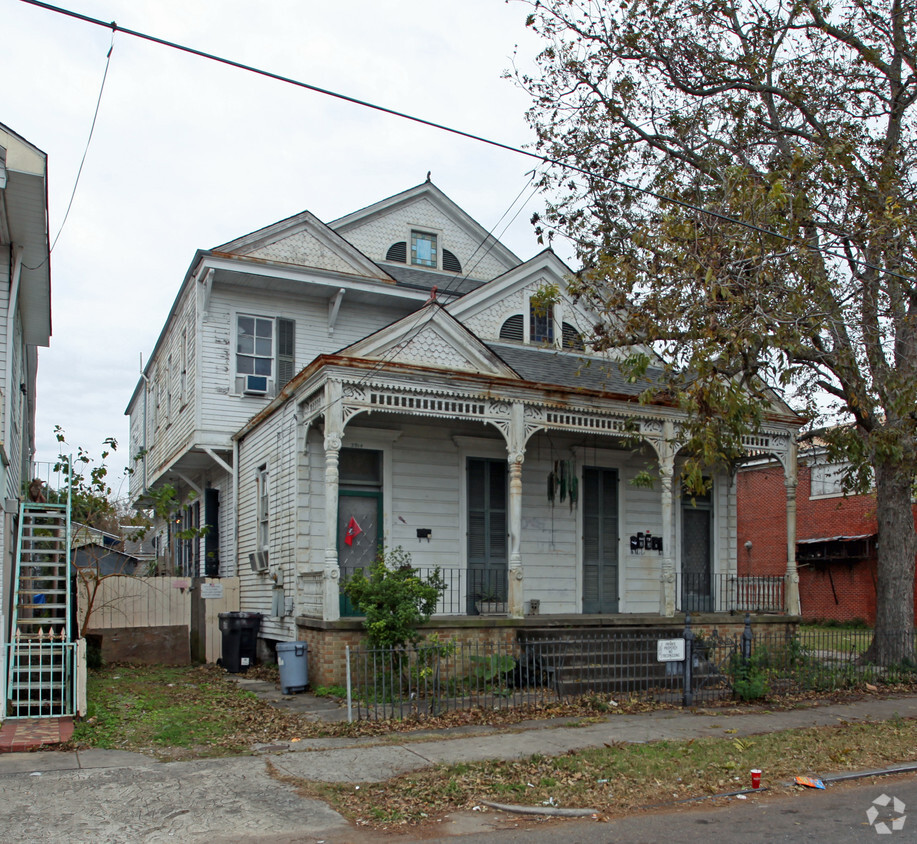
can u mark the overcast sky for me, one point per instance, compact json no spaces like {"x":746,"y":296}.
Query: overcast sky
{"x":189,"y":154}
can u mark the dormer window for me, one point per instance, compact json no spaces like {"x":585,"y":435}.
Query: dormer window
{"x":423,"y":249}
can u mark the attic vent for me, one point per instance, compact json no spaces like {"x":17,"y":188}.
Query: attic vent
{"x":450,"y":262}
{"x":512,"y":329}
{"x":398,"y":252}
{"x":572,"y":338}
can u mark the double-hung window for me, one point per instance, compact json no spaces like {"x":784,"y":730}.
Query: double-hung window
{"x":265,"y":358}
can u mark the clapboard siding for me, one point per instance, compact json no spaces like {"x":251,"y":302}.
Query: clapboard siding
{"x":223,"y":411}
{"x":374,"y":236}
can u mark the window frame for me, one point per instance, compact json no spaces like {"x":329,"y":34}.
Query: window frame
{"x":283,"y":362}
{"x":436,"y":239}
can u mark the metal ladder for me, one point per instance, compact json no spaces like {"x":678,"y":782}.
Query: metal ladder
{"x":40,"y":682}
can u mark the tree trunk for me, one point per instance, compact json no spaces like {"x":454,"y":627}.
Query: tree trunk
{"x":893,"y":640}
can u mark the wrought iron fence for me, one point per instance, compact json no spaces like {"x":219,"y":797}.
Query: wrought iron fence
{"x":706,"y":592}
{"x":439,"y":676}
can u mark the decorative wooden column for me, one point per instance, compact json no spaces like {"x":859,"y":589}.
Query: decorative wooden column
{"x":792,"y":574}
{"x":334,"y":425}
{"x":667,"y":482}
{"x":516,"y":450}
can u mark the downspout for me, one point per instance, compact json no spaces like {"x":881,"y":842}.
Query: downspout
{"x":11,"y":309}
{"x":235,"y":505}
{"x":146,"y":392}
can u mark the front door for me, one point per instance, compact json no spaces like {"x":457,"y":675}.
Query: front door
{"x":359,"y":530}
{"x":487,"y":532}
{"x":600,"y":540}
{"x":696,"y":554}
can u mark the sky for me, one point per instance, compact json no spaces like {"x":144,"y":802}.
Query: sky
{"x":188,"y":154}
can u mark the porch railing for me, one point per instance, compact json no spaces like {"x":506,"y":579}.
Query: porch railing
{"x":721,"y":592}
{"x":466,"y":592}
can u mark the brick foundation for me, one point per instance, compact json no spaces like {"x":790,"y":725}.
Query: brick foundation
{"x":328,"y":640}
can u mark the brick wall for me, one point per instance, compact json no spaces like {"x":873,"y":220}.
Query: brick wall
{"x":841,"y":591}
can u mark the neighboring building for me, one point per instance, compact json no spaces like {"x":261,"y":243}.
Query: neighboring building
{"x":25,"y":324}
{"x":836,"y":536}
{"x":394,"y":378}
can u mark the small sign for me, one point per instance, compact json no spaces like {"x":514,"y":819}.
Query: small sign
{"x":670,"y":650}
{"x":212,"y":590}
{"x":180,"y":584}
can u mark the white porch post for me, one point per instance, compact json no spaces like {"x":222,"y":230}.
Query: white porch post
{"x":667,"y":478}
{"x":792,"y":575}
{"x":334,"y":425}
{"x":516,"y":449}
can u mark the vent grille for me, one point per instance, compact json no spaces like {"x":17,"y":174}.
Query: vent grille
{"x":512,"y":329}
{"x":572,"y":338}
{"x":398,"y":252}
{"x":450,"y":262}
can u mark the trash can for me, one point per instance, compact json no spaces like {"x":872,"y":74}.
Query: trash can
{"x":293,"y":661}
{"x":240,"y":640}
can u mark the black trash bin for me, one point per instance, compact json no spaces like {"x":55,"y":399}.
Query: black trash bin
{"x":240,"y":640}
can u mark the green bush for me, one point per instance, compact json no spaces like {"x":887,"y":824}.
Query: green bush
{"x":394,"y":598}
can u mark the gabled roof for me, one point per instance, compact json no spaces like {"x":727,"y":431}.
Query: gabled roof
{"x":431,"y":337}
{"x":304,"y":240}
{"x":427,"y":190}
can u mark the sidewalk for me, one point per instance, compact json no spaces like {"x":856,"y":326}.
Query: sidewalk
{"x":117,"y":796}
{"x":376,"y":758}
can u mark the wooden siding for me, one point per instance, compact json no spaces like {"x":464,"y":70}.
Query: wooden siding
{"x":169,"y":412}
{"x":424,"y":491}
{"x":223,"y":412}
{"x":376,"y":235}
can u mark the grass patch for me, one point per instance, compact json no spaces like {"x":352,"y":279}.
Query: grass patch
{"x":176,"y":712}
{"x":622,"y":778}
{"x":843,"y":640}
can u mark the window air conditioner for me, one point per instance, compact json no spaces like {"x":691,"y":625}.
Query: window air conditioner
{"x":258,"y":561}
{"x":255,"y":385}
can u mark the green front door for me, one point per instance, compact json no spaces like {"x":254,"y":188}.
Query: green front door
{"x":600,"y":540}
{"x":487,"y":531}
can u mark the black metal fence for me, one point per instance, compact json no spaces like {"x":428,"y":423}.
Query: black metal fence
{"x":706,"y":592}
{"x":690,"y":668}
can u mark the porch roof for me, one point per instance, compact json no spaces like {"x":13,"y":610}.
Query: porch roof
{"x":571,"y":370}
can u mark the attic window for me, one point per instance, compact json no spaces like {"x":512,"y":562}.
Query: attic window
{"x":450,"y":262}
{"x":541,"y":327}
{"x":423,"y":249}
{"x":572,"y":339}
{"x":398,"y":252}
{"x":512,"y":329}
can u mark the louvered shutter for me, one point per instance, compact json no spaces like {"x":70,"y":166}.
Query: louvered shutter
{"x":286,"y":352}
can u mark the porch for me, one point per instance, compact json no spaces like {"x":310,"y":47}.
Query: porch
{"x":483,"y":593}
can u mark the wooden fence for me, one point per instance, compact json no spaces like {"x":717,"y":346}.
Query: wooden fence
{"x":123,"y":602}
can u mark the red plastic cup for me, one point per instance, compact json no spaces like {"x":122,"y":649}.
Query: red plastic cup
{"x":755,"y":778}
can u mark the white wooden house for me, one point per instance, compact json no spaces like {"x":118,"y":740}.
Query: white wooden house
{"x":320,"y":390}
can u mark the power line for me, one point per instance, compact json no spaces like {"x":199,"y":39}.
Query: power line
{"x":544,"y":159}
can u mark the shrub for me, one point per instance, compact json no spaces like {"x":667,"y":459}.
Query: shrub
{"x":394,"y":598}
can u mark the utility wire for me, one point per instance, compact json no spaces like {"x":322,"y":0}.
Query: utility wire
{"x":545,"y":159}
{"x":79,"y":171}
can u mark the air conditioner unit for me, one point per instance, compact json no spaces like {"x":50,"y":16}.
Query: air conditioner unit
{"x":258,"y":561}
{"x":255,"y":385}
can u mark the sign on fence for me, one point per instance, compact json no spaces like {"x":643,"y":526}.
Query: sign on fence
{"x":670,"y":650}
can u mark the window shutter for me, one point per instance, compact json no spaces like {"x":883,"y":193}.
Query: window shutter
{"x":286,"y":353}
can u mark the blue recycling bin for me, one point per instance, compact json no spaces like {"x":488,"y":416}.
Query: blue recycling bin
{"x":293,"y":661}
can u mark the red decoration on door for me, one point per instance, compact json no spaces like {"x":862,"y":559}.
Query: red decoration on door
{"x":353,"y":530}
